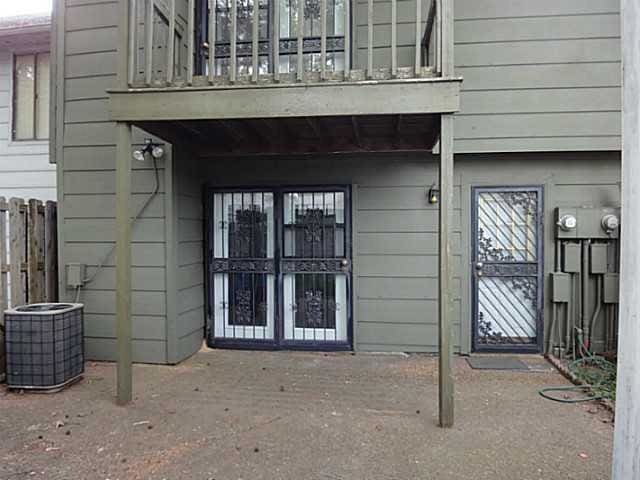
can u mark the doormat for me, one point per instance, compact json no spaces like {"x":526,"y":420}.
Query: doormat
{"x":496,"y":363}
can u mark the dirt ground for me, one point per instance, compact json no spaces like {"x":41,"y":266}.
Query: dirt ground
{"x":231,"y":415}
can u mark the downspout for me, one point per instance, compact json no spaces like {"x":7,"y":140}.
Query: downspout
{"x":569,"y":313}
{"x":554,"y":311}
{"x":584,"y":317}
{"x":596,"y":313}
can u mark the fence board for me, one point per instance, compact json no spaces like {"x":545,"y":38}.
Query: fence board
{"x":32,"y":264}
{"x":51,"y":252}
{"x":17,"y":251}
{"x":4,"y":287}
{"x":35,"y":238}
{"x":4,"y":292}
{"x":28,"y":256}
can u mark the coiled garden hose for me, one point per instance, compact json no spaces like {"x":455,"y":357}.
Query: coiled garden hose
{"x":545,"y":393}
{"x":598,"y":375}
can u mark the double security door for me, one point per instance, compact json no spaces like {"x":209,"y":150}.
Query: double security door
{"x":279,"y":267}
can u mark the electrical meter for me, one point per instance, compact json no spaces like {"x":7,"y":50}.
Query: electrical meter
{"x":567,"y":222}
{"x":610,"y":223}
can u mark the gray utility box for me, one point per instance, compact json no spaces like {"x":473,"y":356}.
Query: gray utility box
{"x":611,"y":288}
{"x":598,"y":258}
{"x":44,"y":345}
{"x":571,"y":262}
{"x":560,"y":287}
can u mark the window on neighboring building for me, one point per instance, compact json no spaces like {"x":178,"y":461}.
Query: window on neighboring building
{"x":31,"y":96}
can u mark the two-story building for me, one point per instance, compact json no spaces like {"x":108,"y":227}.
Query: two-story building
{"x":292,"y":197}
{"x":25,"y":170}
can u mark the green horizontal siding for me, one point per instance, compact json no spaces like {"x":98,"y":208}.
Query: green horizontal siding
{"x":87,"y":200}
{"x":538,"y":76}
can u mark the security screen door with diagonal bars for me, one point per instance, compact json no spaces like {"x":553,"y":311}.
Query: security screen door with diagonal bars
{"x":279,"y":267}
{"x":507,"y":267}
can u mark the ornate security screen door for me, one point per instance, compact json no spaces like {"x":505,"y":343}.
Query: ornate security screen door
{"x":315,"y":266}
{"x":243,"y":266}
{"x":507,"y":269}
{"x":279,"y":267}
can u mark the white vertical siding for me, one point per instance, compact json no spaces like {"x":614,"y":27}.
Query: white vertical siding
{"x":24,"y":166}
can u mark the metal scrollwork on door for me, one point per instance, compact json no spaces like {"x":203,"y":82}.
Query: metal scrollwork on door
{"x":247,"y":232}
{"x":257,"y":265}
{"x":528,"y":201}
{"x":510,"y":270}
{"x":529,"y":288}
{"x":315,"y":306}
{"x":311,"y":9}
{"x":487,"y":334}
{"x":313,"y":223}
{"x":242,"y":311}
{"x":488,"y":251}
{"x":315,"y":266}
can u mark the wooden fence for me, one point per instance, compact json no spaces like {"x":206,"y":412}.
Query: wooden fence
{"x":28,"y":256}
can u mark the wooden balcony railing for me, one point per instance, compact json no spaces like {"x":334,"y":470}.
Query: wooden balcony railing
{"x":176,"y":43}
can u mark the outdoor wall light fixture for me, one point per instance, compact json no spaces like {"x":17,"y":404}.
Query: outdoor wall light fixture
{"x":434,"y":194}
{"x":154,"y":149}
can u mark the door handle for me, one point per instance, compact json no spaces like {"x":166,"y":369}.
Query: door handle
{"x":479,"y":266}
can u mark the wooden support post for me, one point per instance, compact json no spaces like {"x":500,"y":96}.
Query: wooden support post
{"x":626,"y":444}
{"x":446,"y":214}
{"x":445,"y":271}
{"x":123,"y":262}
{"x":123,"y":227}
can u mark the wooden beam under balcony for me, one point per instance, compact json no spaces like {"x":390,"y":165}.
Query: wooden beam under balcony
{"x":303,"y":135}
{"x":406,"y":96}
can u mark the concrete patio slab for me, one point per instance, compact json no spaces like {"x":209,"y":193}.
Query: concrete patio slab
{"x":230,"y":415}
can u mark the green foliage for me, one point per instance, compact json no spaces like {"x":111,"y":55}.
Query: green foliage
{"x":598,"y":373}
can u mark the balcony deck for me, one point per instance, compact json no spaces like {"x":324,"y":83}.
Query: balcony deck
{"x":347,"y":93}
{"x":267,"y":99}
